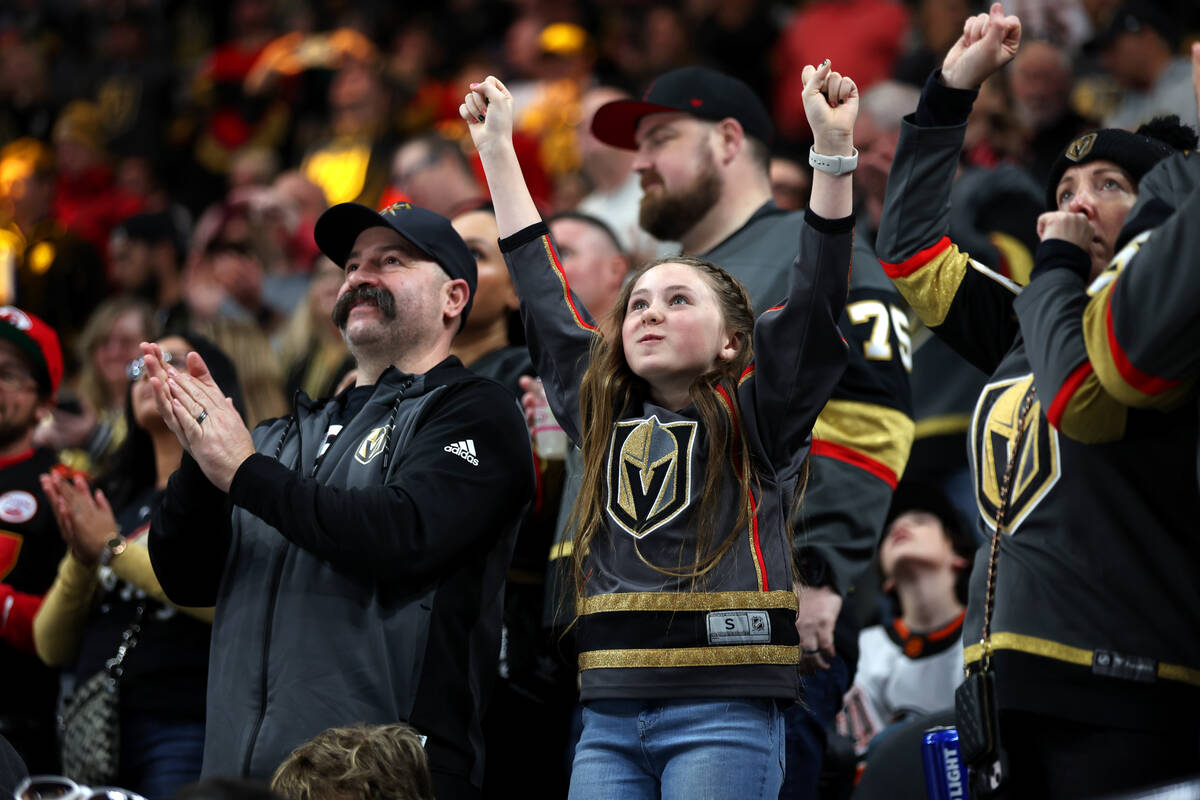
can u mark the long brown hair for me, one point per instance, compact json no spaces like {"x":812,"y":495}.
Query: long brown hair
{"x":610,"y":389}
{"x":92,"y":388}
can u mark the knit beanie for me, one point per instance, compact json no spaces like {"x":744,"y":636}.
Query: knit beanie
{"x":1132,"y":152}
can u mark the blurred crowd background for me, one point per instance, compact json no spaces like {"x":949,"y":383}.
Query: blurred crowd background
{"x":163,"y":162}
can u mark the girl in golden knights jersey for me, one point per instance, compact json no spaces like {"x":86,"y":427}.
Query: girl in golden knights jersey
{"x":694,"y":420}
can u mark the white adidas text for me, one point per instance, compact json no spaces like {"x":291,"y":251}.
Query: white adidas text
{"x":465,"y":449}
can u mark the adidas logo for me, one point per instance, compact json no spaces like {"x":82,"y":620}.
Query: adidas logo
{"x":465,"y":448}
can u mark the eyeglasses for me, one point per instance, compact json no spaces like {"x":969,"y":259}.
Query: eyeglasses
{"x":58,"y":787}
{"x":137,"y":368}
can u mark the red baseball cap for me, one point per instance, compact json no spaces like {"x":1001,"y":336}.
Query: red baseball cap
{"x":699,"y":91}
{"x":38,"y":342}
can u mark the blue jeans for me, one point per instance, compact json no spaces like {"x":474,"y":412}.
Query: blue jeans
{"x":808,"y":724}
{"x":679,"y":750}
{"x":159,"y":755}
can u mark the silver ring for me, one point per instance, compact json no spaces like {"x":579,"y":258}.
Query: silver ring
{"x":203,"y":415}
{"x":812,"y":652}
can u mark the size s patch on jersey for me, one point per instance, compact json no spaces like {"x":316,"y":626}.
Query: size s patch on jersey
{"x":739,"y":627}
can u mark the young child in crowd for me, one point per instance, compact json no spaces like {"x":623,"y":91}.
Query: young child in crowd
{"x":694,"y":422}
{"x":911,"y":663}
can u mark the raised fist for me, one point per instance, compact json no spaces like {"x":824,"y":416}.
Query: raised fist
{"x":488,"y":111}
{"x":831,"y":105}
{"x":988,"y":42}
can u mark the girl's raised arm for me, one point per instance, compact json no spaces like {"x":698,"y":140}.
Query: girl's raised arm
{"x":557,"y":326}
{"x":488,"y":111}
{"x":831,"y":105}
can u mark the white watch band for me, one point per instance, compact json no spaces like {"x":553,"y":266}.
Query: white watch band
{"x":834,"y":165}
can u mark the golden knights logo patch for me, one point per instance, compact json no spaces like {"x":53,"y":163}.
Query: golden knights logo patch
{"x":993,"y":429}
{"x":1079,"y":148}
{"x":649,"y":473}
{"x":372,"y":445}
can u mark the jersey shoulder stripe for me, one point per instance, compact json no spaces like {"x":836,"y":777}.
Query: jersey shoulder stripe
{"x":552,"y":255}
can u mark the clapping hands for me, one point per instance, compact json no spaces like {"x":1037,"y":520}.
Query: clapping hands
{"x":85,"y":519}
{"x":200,"y":415}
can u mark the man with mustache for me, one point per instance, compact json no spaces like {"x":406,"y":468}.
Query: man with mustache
{"x":360,"y":574}
{"x":702,"y":142}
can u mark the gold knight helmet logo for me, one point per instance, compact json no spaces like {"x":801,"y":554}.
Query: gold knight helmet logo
{"x":649,"y":473}
{"x":372,"y":445}
{"x":993,"y":430}
{"x":1079,"y":148}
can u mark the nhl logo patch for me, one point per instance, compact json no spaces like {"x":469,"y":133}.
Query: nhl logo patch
{"x":17,"y":506}
{"x":1079,"y":148}
{"x":372,"y":445}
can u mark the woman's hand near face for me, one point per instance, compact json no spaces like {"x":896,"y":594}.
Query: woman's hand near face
{"x":1066,"y":225}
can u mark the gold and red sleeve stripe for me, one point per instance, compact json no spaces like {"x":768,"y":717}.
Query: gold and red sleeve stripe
{"x":930,"y":279}
{"x":1084,"y":411}
{"x":552,"y":254}
{"x":1115,"y":370}
{"x":873,"y":438}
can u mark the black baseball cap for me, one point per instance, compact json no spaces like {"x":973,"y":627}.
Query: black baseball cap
{"x":699,"y":91}
{"x":1133,"y":17}
{"x":431,"y":233}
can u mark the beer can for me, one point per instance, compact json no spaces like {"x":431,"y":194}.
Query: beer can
{"x":945,"y":772}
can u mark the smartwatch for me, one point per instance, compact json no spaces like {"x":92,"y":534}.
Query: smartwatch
{"x":834,"y":165}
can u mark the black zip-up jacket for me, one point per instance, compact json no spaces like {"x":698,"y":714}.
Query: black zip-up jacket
{"x":365,"y":586}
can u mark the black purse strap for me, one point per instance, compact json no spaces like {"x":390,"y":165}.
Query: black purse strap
{"x":1006,"y":488}
{"x":129,"y":640}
